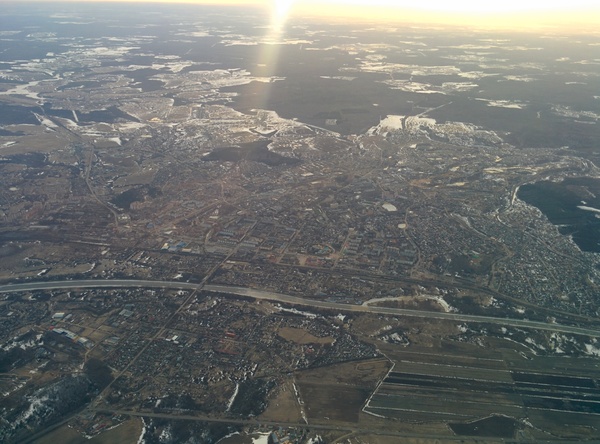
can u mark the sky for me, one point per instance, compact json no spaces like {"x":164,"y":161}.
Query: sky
{"x":572,"y":15}
{"x":497,"y":13}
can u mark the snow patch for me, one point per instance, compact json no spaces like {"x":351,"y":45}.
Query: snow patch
{"x":510,"y":104}
{"x":261,"y":438}
{"x":298,"y":312}
{"x":233,"y":396}
{"x":585,"y":208}
{"x":45,"y":121}
{"x":591,"y":350}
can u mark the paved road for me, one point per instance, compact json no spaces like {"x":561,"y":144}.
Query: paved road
{"x":261,"y":294}
{"x":96,"y":283}
{"x":278,"y":297}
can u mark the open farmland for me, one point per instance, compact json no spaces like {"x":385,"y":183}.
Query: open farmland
{"x":338,"y":392}
{"x":464,"y":391}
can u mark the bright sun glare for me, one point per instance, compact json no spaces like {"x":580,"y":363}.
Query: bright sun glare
{"x":281,"y":11}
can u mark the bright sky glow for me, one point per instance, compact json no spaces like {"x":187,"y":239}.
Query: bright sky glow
{"x":466,"y":6}
{"x":573,"y":15}
{"x":515,"y":14}
{"x":456,"y":6}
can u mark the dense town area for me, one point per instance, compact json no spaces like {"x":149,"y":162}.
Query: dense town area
{"x":304,"y":211}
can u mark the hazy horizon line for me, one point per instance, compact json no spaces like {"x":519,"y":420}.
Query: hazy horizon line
{"x":580,"y":21}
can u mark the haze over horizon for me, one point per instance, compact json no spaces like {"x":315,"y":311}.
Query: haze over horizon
{"x":529,"y":15}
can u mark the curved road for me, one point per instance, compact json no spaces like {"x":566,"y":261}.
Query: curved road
{"x":295,"y":300}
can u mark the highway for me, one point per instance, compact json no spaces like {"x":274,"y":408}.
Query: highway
{"x":295,"y":300}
